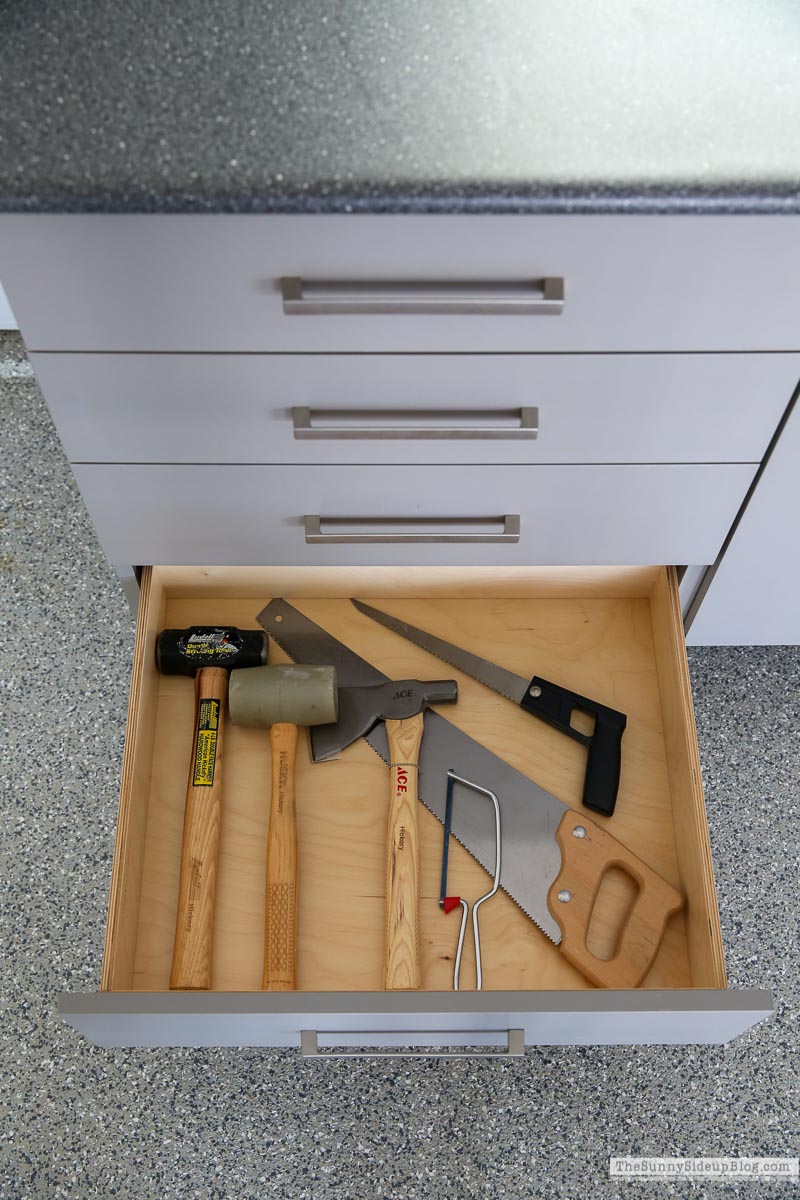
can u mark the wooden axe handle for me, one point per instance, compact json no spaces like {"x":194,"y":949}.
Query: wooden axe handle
{"x":401,"y":947}
{"x":194,"y":924}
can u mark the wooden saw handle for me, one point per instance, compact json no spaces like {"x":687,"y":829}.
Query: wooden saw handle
{"x":401,"y":946}
{"x":194,"y":924}
{"x":585,"y":858}
{"x":280,"y":927}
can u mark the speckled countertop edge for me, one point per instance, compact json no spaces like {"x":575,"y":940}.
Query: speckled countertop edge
{"x":433,"y":200}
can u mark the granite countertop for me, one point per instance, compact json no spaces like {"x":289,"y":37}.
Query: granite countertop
{"x":367,"y":105}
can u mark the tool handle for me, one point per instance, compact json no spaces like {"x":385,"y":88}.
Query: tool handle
{"x":280,"y":926}
{"x":194,"y":923}
{"x":585,"y":858}
{"x":555,"y":705}
{"x":401,"y":947}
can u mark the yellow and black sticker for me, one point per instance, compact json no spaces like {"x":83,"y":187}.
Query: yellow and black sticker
{"x":205,"y":758}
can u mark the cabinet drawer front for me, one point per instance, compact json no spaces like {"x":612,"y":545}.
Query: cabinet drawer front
{"x":651,"y":1017}
{"x":174,"y":408}
{"x":255,"y":514}
{"x":205,"y":283}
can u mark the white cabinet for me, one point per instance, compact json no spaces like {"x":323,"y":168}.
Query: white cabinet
{"x":754,"y":594}
{"x":173,"y":356}
{"x":628,"y":371}
{"x":7,"y":318}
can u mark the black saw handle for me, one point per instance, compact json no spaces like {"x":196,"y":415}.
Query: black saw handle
{"x":555,"y":705}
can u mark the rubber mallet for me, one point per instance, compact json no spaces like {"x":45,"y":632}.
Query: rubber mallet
{"x":282,"y":697}
{"x":208,"y":653}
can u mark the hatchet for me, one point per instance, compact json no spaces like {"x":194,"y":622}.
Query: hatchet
{"x":401,"y":704}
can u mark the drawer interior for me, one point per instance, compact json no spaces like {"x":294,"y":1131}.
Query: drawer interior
{"x":612,"y":633}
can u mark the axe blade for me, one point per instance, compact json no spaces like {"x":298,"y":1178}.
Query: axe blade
{"x":360,"y":709}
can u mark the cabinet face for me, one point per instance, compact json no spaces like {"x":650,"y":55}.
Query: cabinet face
{"x":752,"y":596}
{"x":213,"y":283}
{"x":417,"y":408}
{"x":567,"y":515}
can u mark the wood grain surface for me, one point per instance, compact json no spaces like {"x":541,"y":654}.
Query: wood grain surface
{"x":194,"y":919}
{"x":401,"y":970}
{"x":623,"y":650}
{"x":280,"y":918}
{"x":587,"y":854}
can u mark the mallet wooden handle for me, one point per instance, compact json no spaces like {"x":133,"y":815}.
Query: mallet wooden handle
{"x":191,"y":957}
{"x":587,"y":852}
{"x":401,"y":947}
{"x":280,"y":929}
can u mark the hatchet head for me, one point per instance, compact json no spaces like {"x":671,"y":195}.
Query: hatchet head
{"x":360,"y":709}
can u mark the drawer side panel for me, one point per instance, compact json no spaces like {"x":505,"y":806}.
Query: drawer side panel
{"x":124,"y":900}
{"x":704,"y":935}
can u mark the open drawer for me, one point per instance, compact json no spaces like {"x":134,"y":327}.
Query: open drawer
{"x":611,"y":633}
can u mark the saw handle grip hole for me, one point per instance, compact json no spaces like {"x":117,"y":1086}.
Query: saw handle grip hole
{"x":583,"y":721}
{"x":616,"y":895}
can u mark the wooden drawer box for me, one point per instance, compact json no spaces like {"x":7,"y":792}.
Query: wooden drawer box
{"x":613,"y":633}
{"x":213,"y":283}
{"x":589,"y":408}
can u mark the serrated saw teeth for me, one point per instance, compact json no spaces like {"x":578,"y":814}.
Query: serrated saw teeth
{"x":472,"y":854}
{"x":525,"y":798}
{"x":457,"y":667}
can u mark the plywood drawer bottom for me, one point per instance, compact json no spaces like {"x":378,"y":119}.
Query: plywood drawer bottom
{"x":611,"y":633}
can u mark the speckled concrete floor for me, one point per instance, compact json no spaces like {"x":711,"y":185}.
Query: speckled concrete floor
{"x":78,"y":1121}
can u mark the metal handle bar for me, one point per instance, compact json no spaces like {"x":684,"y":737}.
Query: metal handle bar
{"x":349,"y":533}
{"x":515,"y":1046}
{"x":320,"y":298}
{"x":363,"y":424}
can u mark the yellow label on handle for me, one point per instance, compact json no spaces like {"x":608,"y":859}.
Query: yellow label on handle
{"x":205,"y":758}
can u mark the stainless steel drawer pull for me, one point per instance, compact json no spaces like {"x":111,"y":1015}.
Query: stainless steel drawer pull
{"x":383,"y":530}
{"x":319,"y":298}
{"x":387,"y":423}
{"x":515,"y":1046}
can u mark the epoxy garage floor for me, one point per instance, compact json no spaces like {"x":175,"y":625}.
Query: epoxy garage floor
{"x":78,"y":1121}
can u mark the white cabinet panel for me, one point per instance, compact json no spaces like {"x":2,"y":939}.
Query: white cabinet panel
{"x":254,"y":514}
{"x":754,"y":596}
{"x":212,"y":283}
{"x":590,"y":408}
{"x":7,"y":318}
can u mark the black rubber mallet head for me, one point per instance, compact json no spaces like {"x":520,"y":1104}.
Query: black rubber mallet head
{"x":187,"y":651}
{"x":209,"y":653}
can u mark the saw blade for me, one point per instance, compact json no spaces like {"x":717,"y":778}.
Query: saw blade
{"x":531,"y":815}
{"x":504,"y":682}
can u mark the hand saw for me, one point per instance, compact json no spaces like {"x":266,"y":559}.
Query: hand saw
{"x":554,"y":858}
{"x":548,"y":701}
